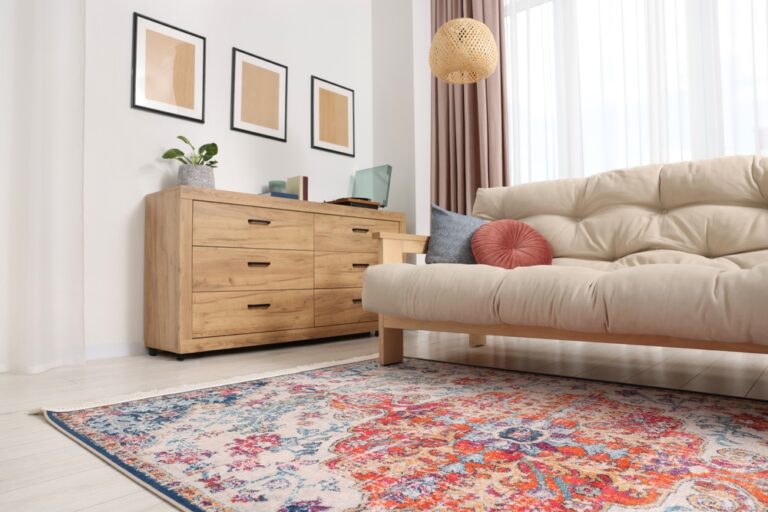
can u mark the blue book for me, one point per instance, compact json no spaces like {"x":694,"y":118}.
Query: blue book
{"x":281,"y":194}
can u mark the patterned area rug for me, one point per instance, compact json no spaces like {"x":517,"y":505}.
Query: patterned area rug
{"x":434,"y":436}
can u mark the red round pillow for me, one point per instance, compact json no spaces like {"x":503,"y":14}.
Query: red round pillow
{"x":510,"y":244}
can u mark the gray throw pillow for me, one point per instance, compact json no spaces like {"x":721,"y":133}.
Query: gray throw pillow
{"x":450,"y":239}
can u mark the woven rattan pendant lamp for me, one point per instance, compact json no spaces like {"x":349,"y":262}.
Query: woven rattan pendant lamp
{"x":463,"y":52}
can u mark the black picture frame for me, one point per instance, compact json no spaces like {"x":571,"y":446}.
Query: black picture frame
{"x":313,"y":142}
{"x":134,"y":103}
{"x":232,"y":126}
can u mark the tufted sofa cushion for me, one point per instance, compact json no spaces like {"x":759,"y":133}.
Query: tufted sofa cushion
{"x":676,"y":250}
{"x":711,"y":208}
{"x":686,"y":301}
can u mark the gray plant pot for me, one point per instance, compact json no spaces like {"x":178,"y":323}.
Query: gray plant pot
{"x":196,"y":176}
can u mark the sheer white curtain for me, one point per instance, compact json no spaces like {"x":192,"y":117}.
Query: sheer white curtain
{"x":41,"y":184}
{"x":603,"y":84}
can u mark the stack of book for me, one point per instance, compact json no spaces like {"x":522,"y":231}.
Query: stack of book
{"x":296,"y":187}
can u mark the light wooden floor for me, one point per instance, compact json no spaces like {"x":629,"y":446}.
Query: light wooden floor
{"x":41,"y":470}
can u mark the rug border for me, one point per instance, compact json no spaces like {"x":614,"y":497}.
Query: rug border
{"x":141,"y":478}
{"x":145,"y":481}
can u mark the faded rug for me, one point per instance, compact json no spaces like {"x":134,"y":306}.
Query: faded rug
{"x":434,"y":436}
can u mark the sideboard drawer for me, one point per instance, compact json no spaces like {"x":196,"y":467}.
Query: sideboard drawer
{"x":222,"y":313}
{"x":343,"y":306}
{"x":231,"y":225}
{"x":349,"y":234}
{"x":342,"y":269}
{"x":227,"y":269}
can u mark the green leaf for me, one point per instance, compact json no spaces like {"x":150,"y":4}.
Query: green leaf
{"x":185,"y":140}
{"x":173,"y":153}
{"x":212,"y":163}
{"x":184,"y":160}
{"x":209,"y":149}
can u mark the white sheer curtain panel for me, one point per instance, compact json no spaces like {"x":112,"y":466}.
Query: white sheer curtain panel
{"x":603,"y":84}
{"x":41,"y":184}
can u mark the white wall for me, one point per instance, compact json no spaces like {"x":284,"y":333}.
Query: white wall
{"x":422,"y":109}
{"x":330,"y":39}
{"x":393,"y":100}
{"x":402,"y":84}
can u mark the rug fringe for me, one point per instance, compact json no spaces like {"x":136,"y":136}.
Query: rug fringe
{"x":130,"y":397}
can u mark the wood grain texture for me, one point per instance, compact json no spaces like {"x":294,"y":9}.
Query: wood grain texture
{"x":393,"y":247}
{"x":229,"y":269}
{"x":222,"y":313}
{"x":340,"y":306}
{"x":199,"y":242}
{"x":162,"y":287}
{"x":390,"y":344}
{"x":560,"y":334}
{"x":349,"y":234}
{"x":342,"y":270}
{"x":267,"y":338}
{"x":227,"y":225}
{"x":476,"y":340}
{"x":241,"y":198}
{"x":185,"y":269}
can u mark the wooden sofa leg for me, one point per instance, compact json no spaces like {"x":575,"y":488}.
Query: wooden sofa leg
{"x":390,"y":345}
{"x":476,"y":340}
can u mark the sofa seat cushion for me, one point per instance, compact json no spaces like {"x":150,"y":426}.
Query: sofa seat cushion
{"x":700,"y":302}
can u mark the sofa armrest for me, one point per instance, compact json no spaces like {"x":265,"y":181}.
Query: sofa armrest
{"x":394,"y":246}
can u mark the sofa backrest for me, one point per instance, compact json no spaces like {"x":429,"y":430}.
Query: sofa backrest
{"x":711,"y":208}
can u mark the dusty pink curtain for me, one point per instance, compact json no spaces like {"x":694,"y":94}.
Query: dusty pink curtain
{"x":469,"y":123}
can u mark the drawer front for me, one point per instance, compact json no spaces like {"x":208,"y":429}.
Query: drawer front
{"x":227,"y":269}
{"x":344,"y":306}
{"x":342,"y":269}
{"x":230,"y":225}
{"x":349,"y":234}
{"x":223,"y":313}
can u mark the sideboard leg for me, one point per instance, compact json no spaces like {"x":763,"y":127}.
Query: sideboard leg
{"x":476,"y":340}
{"x":152,"y":351}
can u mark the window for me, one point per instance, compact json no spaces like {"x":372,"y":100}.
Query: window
{"x":595,"y":85}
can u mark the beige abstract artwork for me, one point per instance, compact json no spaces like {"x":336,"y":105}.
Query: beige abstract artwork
{"x":260,"y":96}
{"x":170,"y":70}
{"x":334,"y":117}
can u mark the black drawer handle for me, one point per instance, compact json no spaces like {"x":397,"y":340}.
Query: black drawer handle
{"x":360,"y":230}
{"x":259,"y":222}
{"x":361,"y":265}
{"x":259,"y":263}
{"x":357,"y":301}
{"x":258,"y":306}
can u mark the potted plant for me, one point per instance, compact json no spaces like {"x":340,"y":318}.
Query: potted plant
{"x":197,"y":166}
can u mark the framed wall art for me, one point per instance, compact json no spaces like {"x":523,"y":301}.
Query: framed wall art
{"x":333,"y":117}
{"x":168,"y":69}
{"x":259,"y":96}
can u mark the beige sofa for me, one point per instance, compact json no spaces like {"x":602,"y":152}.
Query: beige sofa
{"x":668,"y":255}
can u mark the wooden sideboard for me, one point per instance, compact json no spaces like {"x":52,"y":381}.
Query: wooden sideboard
{"x":227,"y":269}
